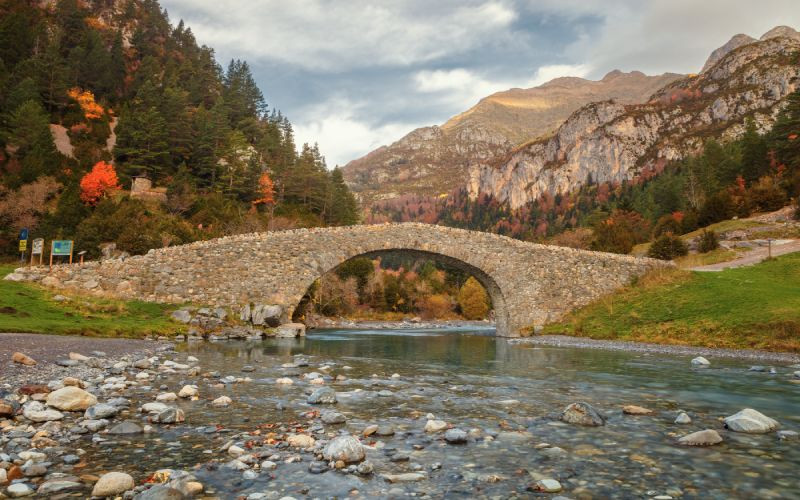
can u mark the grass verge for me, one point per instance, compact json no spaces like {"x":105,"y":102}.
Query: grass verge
{"x":756,"y":307}
{"x":29,"y":308}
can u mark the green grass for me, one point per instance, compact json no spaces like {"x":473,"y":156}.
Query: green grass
{"x":25,"y":307}
{"x":750,"y":307}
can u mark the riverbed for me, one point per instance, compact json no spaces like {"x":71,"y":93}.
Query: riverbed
{"x":506,"y":397}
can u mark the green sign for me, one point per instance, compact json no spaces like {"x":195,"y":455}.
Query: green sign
{"x":62,"y":247}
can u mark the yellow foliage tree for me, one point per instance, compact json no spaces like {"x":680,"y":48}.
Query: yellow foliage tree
{"x":473,"y":299}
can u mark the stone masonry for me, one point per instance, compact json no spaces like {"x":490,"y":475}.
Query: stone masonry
{"x":529,"y":284}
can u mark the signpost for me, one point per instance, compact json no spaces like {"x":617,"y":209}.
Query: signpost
{"x":38,"y":249}
{"x":23,"y":243}
{"x":60,"y":248}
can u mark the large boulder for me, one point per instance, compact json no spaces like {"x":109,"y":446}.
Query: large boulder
{"x":344,"y":448}
{"x":582,"y":414}
{"x":290,"y":330}
{"x":181,"y":316}
{"x":266,"y":314}
{"x":71,"y":399}
{"x":112,"y":484}
{"x":751,"y":422}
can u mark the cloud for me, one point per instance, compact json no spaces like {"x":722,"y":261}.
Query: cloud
{"x":342,"y":133}
{"x":463,"y":88}
{"x":326,"y":35}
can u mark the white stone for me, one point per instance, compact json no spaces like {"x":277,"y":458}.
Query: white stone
{"x":700,"y":362}
{"x":113,"y":483}
{"x":683,"y":418}
{"x":17,"y":490}
{"x":71,"y":399}
{"x":435,"y":425}
{"x":751,"y":422}
{"x":300,"y":440}
{"x":188,"y":391}
{"x":222,"y":401}
{"x":284,"y":380}
{"x":167,"y":396}
{"x":548,"y":485}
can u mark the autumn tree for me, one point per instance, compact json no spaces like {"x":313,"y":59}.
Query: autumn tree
{"x":473,"y":299}
{"x":98,"y":183}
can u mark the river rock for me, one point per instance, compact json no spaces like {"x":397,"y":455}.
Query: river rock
{"x":300,"y":441}
{"x":222,"y":401}
{"x":54,"y":486}
{"x":170,"y":416}
{"x":284,"y":381}
{"x":455,"y":436}
{"x":160,"y":492}
{"x":701,"y":362}
{"x":345,"y":448}
{"x":188,"y":391}
{"x":706,"y":437}
{"x":290,"y":330}
{"x":38,"y":412}
{"x":100,"y":410}
{"x":71,"y":399}
{"x":405,"y":477}
{"x":156,"y":407}
{"x":333,"y":417}
{"x":683,"y":418}
{"x":365,"y":468}
{"x":76,"y":356}
{"x":636,"y":410}
{"x":582,"y":414}
{"x":787,"y":435}
{"x":751,"y":422}
{"x":112,"y":483}
{"x":323,"y":395}
{"x":548,"y":485}
{"x":435,"y":425}
{"x":17,"y":490}
{"x":94,"y":425}
{"x":22,"y":359}
{"x":126,"y":427}
{"x":7,"y":409}
{"x":167,"y":396}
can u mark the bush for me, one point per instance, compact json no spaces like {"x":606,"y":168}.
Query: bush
{"x":667,"y":224}
{"x":620,"y":232}
{"x":766,"y":195}
{"x":717,"y":208}
{"x":435,"y":306}
{"x":667,"y":247}
{"x":708,"y":241}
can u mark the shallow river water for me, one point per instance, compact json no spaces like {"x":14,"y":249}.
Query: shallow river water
{"x":507,"y":396}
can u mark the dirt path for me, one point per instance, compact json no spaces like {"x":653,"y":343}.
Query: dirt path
{"x":752,"y":257}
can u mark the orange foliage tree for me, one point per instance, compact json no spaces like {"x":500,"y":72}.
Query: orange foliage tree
{"x":266,"y":191}
{"x":98,"y":183}
{"x":91,"y":110}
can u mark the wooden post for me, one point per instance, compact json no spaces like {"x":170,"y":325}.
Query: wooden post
{"x":52,"y":245}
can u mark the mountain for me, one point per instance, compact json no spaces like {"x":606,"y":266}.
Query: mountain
{"x":435,"y":160}
{"x":614,"y":142}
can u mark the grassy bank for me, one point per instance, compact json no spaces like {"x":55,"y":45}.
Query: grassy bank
{"x":751,"y":307}
{"x":25,"y":307}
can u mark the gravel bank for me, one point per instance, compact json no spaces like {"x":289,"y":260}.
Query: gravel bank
{"x":679,"y":350}
{"x":47,"y":349}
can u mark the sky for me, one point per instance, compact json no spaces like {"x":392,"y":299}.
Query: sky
{"x":353,"y":75}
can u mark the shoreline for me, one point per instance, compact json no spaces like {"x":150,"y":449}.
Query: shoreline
{"x":399,"y":325}
{"x":651,"y":348}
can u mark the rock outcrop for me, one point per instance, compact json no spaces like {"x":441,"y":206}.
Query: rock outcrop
{"x":612,"y":142}
{"x":434,"y":160}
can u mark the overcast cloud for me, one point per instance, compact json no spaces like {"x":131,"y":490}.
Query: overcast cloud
{"x":353,"y":75}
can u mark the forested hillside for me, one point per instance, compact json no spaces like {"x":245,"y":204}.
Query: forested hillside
{"x":93,"y":94}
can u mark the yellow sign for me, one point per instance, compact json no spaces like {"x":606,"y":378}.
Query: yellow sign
{"x":23,"y":245}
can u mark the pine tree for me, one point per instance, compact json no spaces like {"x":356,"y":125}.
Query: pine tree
{"x":755,"y":162}
{"x":343,"y":206}
{"x":29,"y":132}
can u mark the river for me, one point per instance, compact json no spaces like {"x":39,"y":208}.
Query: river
{"x":507,"y":396}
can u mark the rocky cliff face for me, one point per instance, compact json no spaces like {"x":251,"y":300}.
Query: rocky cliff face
{"x":613,"y":142}
{"x":435,"y":160}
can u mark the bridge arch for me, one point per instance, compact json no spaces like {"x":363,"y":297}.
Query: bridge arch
{"x":487,"y":280}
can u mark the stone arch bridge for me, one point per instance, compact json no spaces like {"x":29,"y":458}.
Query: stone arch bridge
{"x":529,"y":284}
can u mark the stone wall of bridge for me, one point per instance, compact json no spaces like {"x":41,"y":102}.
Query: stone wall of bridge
{"x":529,"y":284}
